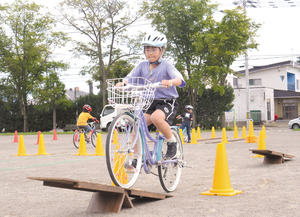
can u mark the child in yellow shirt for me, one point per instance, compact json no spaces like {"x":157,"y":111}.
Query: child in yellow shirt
{"x":83,"y":118}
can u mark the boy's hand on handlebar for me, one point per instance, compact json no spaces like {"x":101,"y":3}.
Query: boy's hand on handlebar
{"x":120,"y":84}
{"x":167,"y":83}
{"x":95,"y":119}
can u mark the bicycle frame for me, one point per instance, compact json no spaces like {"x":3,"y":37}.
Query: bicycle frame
{"x":153,"y":157}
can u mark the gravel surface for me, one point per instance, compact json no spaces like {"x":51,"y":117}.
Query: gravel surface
{"x":267,"y":189}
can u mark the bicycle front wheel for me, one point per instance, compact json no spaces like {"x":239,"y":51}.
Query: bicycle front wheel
{"x":76,"y":139}
{"x":123,"y":157}
{"x":169,"y":173}
{"x":94,"y":138}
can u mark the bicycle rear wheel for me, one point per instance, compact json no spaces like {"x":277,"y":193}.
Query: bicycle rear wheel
{"x":169,"y":173}
{"x":76,"y":139}
{"x":123,"y":162}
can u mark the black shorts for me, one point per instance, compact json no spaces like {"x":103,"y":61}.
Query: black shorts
{"x":168,"y":106}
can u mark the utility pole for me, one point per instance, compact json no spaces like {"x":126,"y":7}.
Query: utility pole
{"x":247,"y":75}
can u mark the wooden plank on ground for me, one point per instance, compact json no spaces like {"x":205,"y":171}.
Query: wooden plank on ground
{"x":106,"y":198}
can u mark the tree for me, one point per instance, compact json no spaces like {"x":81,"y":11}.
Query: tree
{"x":104,"y":25}
{"x":50,"y":93}
{"x":27,"y":43}
{"x":211,"y":106}
{"x":203,"y":48}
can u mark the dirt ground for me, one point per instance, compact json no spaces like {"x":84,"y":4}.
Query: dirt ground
{"x":267,"y":189}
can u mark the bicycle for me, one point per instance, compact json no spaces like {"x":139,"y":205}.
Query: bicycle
{"x":126,"y":156}
{"x":93,"y":139}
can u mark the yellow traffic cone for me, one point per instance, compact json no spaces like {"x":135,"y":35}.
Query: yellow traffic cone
{"x":224,"y":136}
{"x":116,"y":164}
{"x":261,"y":143}
{"x":264,"y":131}
{"x":123,"y":178}
{"x":251,"y":138}
{"x":42,"y":150}
{"x":213,"y":133}
{"x":21,"y":151}
{"x":82,"y":146}
{"x":235,"y":133}
{"x":99,"y":146}
{"x":221,"y":183}
{"x":194,"y":139}
{"x":181,"y":135}
{"x":244,"y":134}
{"x":115,"y":137}
{"x":198,"y":133}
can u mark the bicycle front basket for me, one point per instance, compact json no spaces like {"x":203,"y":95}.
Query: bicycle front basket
{"x":136,"y":93}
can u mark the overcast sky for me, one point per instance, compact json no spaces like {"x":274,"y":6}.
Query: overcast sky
{"x":278,"y":37}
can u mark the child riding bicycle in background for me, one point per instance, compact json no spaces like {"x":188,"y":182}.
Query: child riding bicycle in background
{"x":83,"y":118}
{"x":163,"y":109}
{"x":187,"y":118}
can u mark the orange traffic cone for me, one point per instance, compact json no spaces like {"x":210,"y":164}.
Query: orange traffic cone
{"x":261,"y":143}
{"x":42,"y":150}
{"x":99,"y":146}
{"x":54,"y":135}
{"x":213,"y":133}
{"x":82,"y":146}
{"x":221,"y":183}
{"x":16,"y":137}
{"x":38,"y":138}
{"x":21,"y":151}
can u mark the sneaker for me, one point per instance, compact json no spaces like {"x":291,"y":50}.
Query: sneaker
{"x":172,"y":150}
{"x":87,"y":140}
{"x":189,"y":141}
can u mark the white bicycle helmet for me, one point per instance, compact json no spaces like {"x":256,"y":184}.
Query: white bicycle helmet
{"x":188,"y":107}
{"x":155,"y":39}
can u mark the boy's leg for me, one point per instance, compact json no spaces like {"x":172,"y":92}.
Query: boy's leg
{"x":188,"y":132}
{"x":158,"y":118}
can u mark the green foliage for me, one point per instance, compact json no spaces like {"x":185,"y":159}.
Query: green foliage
{"x":203,"y":48}
{"x":104,"y":24}
{"x":212,"y":105}
{"x":26,"y":46}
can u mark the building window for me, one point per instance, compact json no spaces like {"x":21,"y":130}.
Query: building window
{"x":297,"y":83}
{"x":235,"y":82}
{"x":256,"y":81}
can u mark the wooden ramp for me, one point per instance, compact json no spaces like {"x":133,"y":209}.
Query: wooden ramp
{"x":271,"y":157}
{"x":106,"y":198}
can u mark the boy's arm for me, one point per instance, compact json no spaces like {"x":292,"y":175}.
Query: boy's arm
{"x":173,"y":82}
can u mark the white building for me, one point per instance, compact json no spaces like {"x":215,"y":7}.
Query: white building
{"x":273,"y":89}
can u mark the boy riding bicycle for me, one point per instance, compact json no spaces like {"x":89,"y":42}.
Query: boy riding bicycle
{"x":83,"y":118}
{"x":164,"y":107}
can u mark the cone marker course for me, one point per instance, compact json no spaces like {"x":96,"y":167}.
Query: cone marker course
{"x":213,"y":132}
{"x":261,"y":144}
{"x":42,"y":149}
{"x":99,"y":146}
{"x":21,"y":151}
{"x":221,"y":182}
{"x":16,"y":137}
